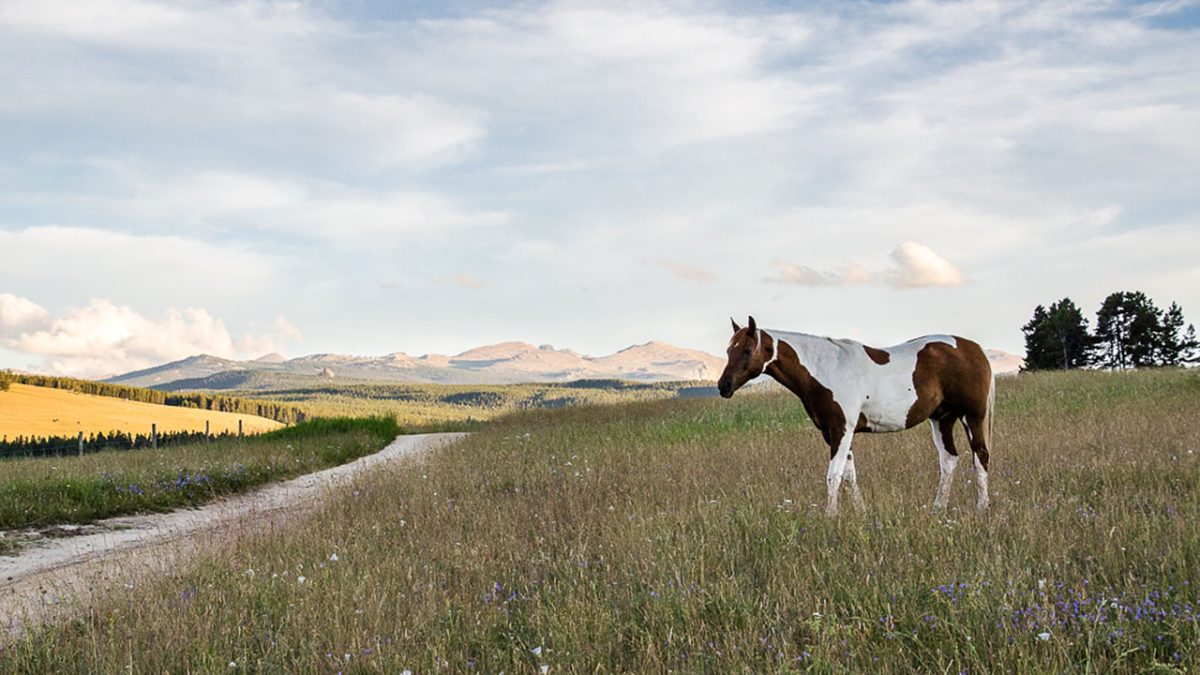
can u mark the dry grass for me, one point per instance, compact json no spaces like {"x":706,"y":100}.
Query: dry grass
{"x":42,"y":411}
{"x":688,"y":536}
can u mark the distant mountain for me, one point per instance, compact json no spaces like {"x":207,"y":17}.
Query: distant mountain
{"x":503,"y":363}
{"x":1004,"y":363}
{"x":200,"y":365}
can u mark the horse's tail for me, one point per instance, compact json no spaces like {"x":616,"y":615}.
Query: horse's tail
{"x":989,"y":424}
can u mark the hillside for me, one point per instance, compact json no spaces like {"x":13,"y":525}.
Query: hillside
{"x":1004,"y":363}
{"x":39,"y":411}
{"x":502,"y":363}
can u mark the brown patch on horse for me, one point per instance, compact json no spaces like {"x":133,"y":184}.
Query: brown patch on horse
{"x":950,"y":382}
{"x":863,"y":424}
{"x":878,"y":355}
{"x":818,"y":400}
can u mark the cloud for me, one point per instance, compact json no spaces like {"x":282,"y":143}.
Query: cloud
{"x":277,"y":79}
{"x":913,"y":266}
{"x":263,"y":157}
{"x":800,"y":275}
{"x":145,"y":270}
{"x":917,"y":266}
{"x":103,"y":338}
{"x":467,"y":281}
{"x":688,"y":272}
{"x":17,"y":312}
{"x":213,"y":201}
{"x":258,"y":343}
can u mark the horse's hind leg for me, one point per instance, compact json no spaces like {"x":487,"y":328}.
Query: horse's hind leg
{"x":977,"y":434}
{"x":943,"y":438}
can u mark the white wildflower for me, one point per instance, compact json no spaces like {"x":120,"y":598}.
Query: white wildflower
{"x":537,"y":651}
{"x":1043,"y":636}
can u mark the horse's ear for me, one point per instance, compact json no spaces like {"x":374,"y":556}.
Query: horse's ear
{"x":736,"y":327}
{"x":752,"y":325}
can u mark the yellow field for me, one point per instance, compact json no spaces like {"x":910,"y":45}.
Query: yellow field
{"x":40,"y":411}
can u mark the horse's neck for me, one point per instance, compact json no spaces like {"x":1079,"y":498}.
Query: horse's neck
{"x":810,"y":354}
{"x":814,"y":352}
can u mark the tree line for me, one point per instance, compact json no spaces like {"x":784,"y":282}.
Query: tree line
{"x":269,"y":409}
{"x":46,"y":446}
{"x":1131,"y":332}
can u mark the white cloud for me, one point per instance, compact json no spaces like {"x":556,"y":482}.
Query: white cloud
{"x":273,"y":339}
{"x":275,"y":79}
{"x":917,"y":266}
{"x":312,"y":153}
{"x":801,"y":275}
{"x":103,"y":338}
{"x":913,"y":266}
{"x":145,"y":269}
{"x":215,"y":200}
{"x":686,"y":272}
{"x":17,"y":312}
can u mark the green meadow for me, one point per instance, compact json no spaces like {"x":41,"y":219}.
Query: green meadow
{"x":428,"y":405}
{"x":46,"y":492}
{"x":688,"y":535}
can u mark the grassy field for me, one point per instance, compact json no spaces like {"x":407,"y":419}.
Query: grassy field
{"x":431,"y":404}
{"x":37,"y":493}
{"x":688,"y":535}
{"x":40,"y":411}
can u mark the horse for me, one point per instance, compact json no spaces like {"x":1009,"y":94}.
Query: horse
{"x":848,"y":387}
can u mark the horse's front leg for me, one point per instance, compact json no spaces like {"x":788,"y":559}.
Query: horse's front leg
{"x":839,"y":456}
{"x":851,"y":477}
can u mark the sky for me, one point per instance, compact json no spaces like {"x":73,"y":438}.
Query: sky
{"x":366,"y":178}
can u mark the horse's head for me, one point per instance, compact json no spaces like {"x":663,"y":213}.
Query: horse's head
{"x":748,"y":352}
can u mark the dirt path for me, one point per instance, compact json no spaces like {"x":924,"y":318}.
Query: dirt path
{"x":48,"y":582}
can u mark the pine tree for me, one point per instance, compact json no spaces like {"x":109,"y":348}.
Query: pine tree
{"x":1128,"y":331}
{"x":1057,"y":338}
{"x":1175,"y":344}
{"x":1190,"y":347}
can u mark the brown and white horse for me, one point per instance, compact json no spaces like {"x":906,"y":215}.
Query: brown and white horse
{"x":848,"y":387}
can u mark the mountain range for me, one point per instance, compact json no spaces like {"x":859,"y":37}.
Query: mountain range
{"x":503,"y":363}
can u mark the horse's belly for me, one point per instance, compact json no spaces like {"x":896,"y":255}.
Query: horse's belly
{"x":887,"y":415}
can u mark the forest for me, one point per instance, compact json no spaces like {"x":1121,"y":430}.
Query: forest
{"x":40,"y":446}
{"x":1131,"y":332}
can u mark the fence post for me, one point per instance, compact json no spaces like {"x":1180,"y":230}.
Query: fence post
{"x":206,"y":435}
{"x":239,"y":428}
{"x":154,"y":436}
{"x":81,"y":444}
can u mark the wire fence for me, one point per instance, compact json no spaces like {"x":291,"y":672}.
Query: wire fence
{"x":61,"y":446}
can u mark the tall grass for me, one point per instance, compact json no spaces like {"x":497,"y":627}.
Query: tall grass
{"x":689,"y":536}
{"x":61,"y":490}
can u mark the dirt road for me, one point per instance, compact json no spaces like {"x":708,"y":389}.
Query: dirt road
{"x":49,"y":582}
